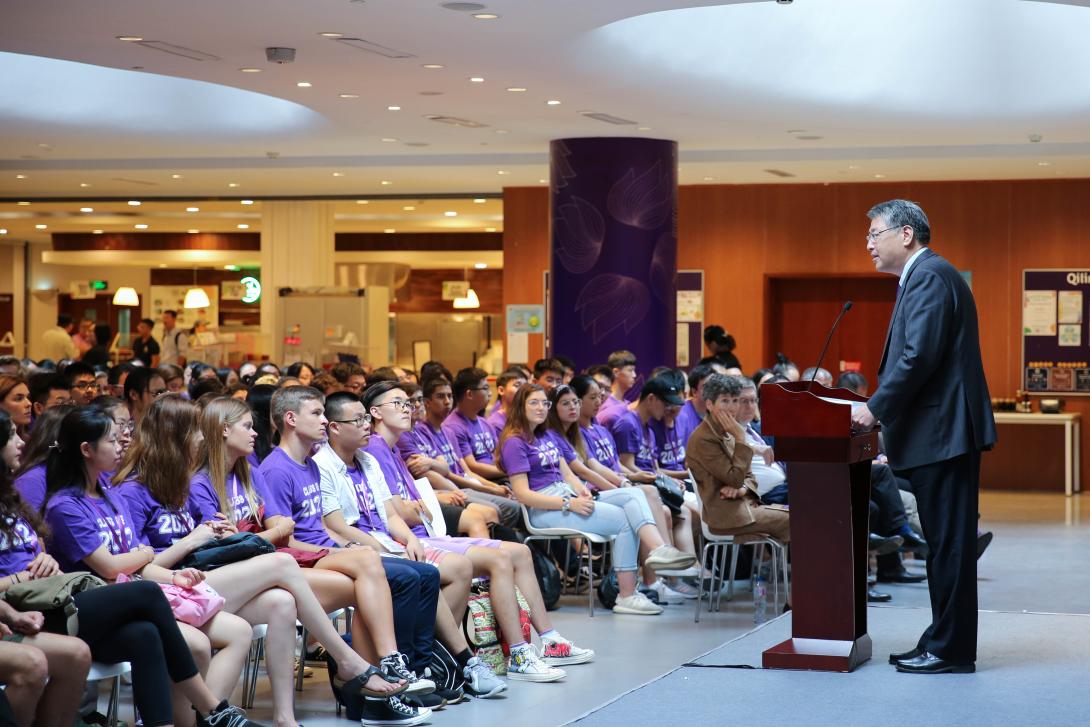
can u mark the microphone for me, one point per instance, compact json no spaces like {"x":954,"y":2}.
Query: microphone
{"x":847,"y":307}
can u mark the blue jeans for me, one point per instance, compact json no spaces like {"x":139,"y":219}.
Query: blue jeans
{"x":622,"y":519}
{"x":414,"y":588}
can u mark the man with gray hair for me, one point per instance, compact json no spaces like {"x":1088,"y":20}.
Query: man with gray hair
{"x":932,"y":400}
{"x":823,"y":376}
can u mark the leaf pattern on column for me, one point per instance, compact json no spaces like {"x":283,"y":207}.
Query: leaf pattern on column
{"x":608,"y":302}
{"x":641,"y":200}
{"x":664,"y":266}
{"x":580,"y":231}
{"x":560,"y":167}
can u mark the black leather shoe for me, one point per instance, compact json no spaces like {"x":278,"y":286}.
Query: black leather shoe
{"x":883,"y":546}
{"x":901,"y":577}
{"x":913,"y":542}
{"x":928,"y":663}
{"x":874,"y":596}
{"x":982,"y":542}
{"x":905,"y":655}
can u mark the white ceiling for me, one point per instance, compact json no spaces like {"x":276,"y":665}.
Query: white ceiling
{"x":894,"y":89}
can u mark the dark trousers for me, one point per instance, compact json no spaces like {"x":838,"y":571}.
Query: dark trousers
{"x":414,"y":588}
{"x":947,"y":495}
{"x":133,"y":622}
{"x":888,"y":515}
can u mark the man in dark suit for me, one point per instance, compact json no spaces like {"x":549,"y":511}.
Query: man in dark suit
{"x":932,"y":401}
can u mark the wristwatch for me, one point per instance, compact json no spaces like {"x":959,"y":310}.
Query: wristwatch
{"x":567,"y":504}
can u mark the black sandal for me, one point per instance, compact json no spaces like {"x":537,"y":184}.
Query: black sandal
{"x":357,"y":684}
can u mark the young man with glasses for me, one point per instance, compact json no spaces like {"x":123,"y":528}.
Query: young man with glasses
{"x":82,"y":384}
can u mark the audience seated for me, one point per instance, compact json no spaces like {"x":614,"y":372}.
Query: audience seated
{"x":507,"y":385}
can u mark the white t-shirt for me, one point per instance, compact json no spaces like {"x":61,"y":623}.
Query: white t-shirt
{"x":767,"y":476}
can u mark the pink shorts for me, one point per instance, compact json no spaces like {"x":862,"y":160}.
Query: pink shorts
{"x":448,"y":544}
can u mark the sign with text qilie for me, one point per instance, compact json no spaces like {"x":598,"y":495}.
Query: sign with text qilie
{"x":1055,"y":340}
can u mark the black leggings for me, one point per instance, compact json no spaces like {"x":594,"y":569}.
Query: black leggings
{"x":133,"y":622}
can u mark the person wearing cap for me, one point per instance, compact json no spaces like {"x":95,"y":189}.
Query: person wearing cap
{"x":721,"y":344}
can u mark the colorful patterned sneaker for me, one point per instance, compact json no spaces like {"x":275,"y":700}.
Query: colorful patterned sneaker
{"x":558,"y":651}
{"x":525,"y":665}
{"x":480,"y":681}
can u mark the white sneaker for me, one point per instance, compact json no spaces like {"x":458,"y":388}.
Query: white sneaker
{"x":636,"y":604}
{"x":480,"y":681}
{"x":525,"y":665}
{"x":667,"y":557}
{"x":666,"y":594}
{"x":558,"y":651}
{"x":682,"y":588}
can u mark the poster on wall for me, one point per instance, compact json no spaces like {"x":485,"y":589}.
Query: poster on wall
{"x":1055,"y":346}
{"x":171,"y":297}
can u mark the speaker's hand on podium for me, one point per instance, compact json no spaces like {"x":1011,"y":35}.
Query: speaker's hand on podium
{"x":862,"y":418}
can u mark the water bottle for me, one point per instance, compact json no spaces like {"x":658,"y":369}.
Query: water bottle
{"x":760,"y":600}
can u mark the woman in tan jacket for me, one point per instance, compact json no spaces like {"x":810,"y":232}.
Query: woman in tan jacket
{"x":720,"y":459}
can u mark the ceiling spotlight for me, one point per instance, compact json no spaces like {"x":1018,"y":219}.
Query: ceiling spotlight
{"x":331,"y":35}
{"x":643,"y":128}
{"x":243,"y":226}
{"x":23,"y":204}
{"x":450,"y":213}
{"x":84,"y":184}
{"x":1044,"y":164}
{"x":480,"y":266}
{"x":516,"y":89}
{"x":338,"y":174}
{"x":432,"y":66}
{"x":20,"y":176}
{"x":96,"y":232}
{"x":349,"y":95}
{"x":501,"y":131}
{"x":408,"y":208}
{"x":86,"y":209}
{"x":389,"y":230}
{"x":304,"y":84}
{"x":130,"y":38}
{"x":490,"y":229}
{"x":141,"y":226}
{"x":385,"y":182}
{"x":192,"y":232}
{"x":192,"y":209}
{"x":250,"y":70}
{"x":485,"y":16}
{"x":393,"y":108}
{"x":709,"y":179}
{"x":879,"y":176}
{"x":133,"y":203}
{"x":480,"y":200}
{"x":389,"y":139}
{"x":543,"y":181}
{"x":175,"y":176}
{"x":3,"y":230}
{"x":232,"y":185}
{"x":476,"y":79}
{"x":41,"y":227}
{"x":501,"y":172}
{"x":552,"y":102}
{"x":246,"y":201}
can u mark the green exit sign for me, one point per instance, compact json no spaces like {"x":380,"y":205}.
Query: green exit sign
{"x":99,"y":285}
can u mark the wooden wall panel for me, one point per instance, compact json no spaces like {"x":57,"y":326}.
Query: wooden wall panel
{"x":740,"y":234}
{"x":425,"y":291}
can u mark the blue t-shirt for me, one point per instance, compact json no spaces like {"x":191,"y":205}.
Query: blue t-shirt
{"x":157,"y":524}
{"x":294,"y":490}
{"x":82,"y":524}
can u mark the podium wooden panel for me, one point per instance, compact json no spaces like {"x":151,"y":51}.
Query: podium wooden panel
{"x":829,"y":475}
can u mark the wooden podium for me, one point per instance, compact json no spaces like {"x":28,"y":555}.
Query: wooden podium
{"x":829,"y":481}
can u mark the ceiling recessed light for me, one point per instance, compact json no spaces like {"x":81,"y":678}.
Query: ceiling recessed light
{"x":304,"y":84}
{"x":552,"y":102}
{"x":23,"y":204}
{"x":175,"y":176}
{"x":385,"y":182}
{"x":232,"y":185}
{"x":130,"y":38}
{"x":96,"y":232}
{"x":389,"y":230}
{"x":709,"y":179}
{"x":393,"y":108}
{"x":501,"y":172}
{"x":480,"y":266}
{"x":389,"y":139}
{"x":433,"y":66}
{"x":3,"y":231}
{"x":141,"y":226}
{"x":490,"y":229}
{"x":246,"y":201}
{"x":192,"y":232}
{"x":501,"y":131}
{"x":516,"y":89}
{"x":41,"y":227}
{"x":1044,"y":164}
{"x":480,"y":200}
{"x":879,"y":176}
{"x":349,"y":95}
{"x":450,"y":213}
{"x":328,"y":34}
{"x":643,"y":128}
{"x":408,"y":208}
{"x":338,"y":174}
{"x":43,"y":145}
{"x":853,"y":167}
{"x":84,"y":184}
{"x":242,"y":226}
{"x":543,"y":181}
{"x":250,"y":70}
{"x":363,"y":201}
{"x":192,"y":209}
{"x":476,"y":79}
{"x":20,"y":176}
{"x":485,"y":16}
{"x":86,"y":209}
{"x":133,"y":203}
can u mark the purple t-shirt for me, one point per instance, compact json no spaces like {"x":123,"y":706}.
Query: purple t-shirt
{"x":31,"y":486}
{"x":397,"y":475}
{"x":370,"y":519}
{"x":157,"y":524}
{"x":471,"y":436}
{"x":17,"y":552}
{"x":686,"y":422}
{"x":539,"y":460}
{"x":600,"y":446}
{"x":422,"y":439}
{"x":632,"y":437}
{"x":82,"y":524}
{"x":567,"y":451}
{"x":610,"y":409}
{"x":497,"y":420}
{"x":204,"y":503}
{"x":294,"y":490}
{"x":669,"y":446}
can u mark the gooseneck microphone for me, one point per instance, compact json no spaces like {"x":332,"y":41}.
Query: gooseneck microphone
{"x":847,"y":307}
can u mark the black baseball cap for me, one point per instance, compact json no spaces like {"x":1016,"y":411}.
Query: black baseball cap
{"x":663,"y":389}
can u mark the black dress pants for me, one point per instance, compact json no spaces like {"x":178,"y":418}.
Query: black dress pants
{"x":947,"y":494}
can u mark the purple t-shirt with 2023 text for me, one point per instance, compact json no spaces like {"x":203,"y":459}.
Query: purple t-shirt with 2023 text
{"x":204,"y":503}
{"x":600,"y":446}
{"x":82,"y":524}
{"x":425,"y":440}
{"x":471,"y":436}
{"x":156,"y":523}
{"x":632,"y":437}
{"x":669,"y":447}
{"x":538,"y":459}
{"x":18,"y":551}
{"x":398,"y":478}
{"x":294,"y":490}
{"x":31,"y":486}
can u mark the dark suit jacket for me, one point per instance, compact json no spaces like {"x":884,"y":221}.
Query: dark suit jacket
{"x":932,"y":399}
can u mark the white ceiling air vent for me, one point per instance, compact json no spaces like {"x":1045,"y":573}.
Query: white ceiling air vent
{"x":381,"y":50}
{"x":778,"y":173}
{"x":608,"y":118}
{"x":178,"y":50}
{"x":463,"y":7}
{"x":456,"y":121}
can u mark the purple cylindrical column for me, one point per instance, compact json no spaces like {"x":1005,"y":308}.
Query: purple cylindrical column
{"x":612,"y":283}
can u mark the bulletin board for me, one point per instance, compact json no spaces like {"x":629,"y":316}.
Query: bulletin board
{"x":1055,"y":340}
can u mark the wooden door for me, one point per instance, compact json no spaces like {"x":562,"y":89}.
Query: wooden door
{"x":802,"y":308}
{"x":7,"y":323}
{"x":100,"y":309}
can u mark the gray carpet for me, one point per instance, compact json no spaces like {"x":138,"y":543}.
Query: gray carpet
{"x":1030,"y":670}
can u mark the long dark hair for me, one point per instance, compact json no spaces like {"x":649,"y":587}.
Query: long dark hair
{"x":12,"y":506}
{"x":42,"y":436}
{"x":64,"y":466}
{"x":573,"y":433}
{"x":260,"y":399}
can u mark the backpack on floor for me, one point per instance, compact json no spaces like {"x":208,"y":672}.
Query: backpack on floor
{"x":548,"y":577}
